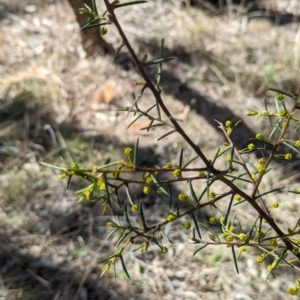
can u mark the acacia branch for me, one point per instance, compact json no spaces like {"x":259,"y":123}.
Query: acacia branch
{"x":220,"y":175}
{"x":156,"y":93}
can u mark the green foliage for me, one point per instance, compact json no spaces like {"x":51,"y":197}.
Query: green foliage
{"x":263,"y":233}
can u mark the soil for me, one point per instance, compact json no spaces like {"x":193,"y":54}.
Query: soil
{"x":57,"y":103}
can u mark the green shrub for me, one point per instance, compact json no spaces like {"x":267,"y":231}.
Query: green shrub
{"x":264,"y":233}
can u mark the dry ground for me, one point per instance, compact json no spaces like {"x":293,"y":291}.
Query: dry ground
{"x":56,"y":102}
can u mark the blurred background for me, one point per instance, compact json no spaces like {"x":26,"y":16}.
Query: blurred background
{"x":60,"y":91}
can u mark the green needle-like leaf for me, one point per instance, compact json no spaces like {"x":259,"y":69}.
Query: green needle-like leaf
{"x":142,"y":215}
{"x":181,"y":158}
{"x":234,"y":178}
{"x":294,"y":192}
{"x":216,"y":156}
{"x":189,"y":162}
{"x":268,"y":192}
{"x":192,"y":192}
{"x":108,"y":165}
{"x":297,"y":128}
{"x":122,"y":237}
{"x":102,"y":260}
{"x":93,"y":24}
{"x":138,"y":248}
{"x":111,"y":233}
{"x":95,"y":7}
{"x":210,"y":230}
{"x":166,"y":237}
{"x":129,"y":3}
{"x":139,"y":116}
{"x":119,"y":49}
{"x":165,"y":135}
{"x":152,"y":126}
{"x":124,"y":267}
{"x":53,"y":166}
{"x":282,"y":92}
{"x":159,"y":185}
{"x":106,"y":190}
{"x":291,"y":147}
{"x":159,"y":61}
{"x":105,"y":269}
{"x":126,"y":215}
{"x":199,"y":249}
{"x":128,"y":195}
{"x":196,"y":226}
{"x":68,"y":183}
{"x":136,"y":150}
{"x":234,"y":259}
{"x":170,"y":196}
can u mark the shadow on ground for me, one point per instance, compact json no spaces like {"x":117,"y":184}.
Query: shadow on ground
{"x":29,"y":276}
{"x":181,"y":91}
{"x":32,"y":277}
{"x":251,"y":8}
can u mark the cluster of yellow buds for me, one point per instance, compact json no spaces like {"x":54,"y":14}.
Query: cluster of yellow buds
{"x":243,"y":248}
{"x":212,"y":221}
{"x":182,"y":197}
{"x":67,"y":173}
{"x":295,"y":289}
{"x":283,"y":114}
{"x":228,"y":237}
{"x":164,"y":250}
{"x":134,"y":208}
{"x":169,"y":165}
{"x":177,"y":172}
{"x":260,"y":259}
{"x":128,"y":151}
{"x":238,"y":197}
{"x":280,"y":97}
{"x":222,"y":220}
{"x":297,"y":143}
{"x":212,"y":195}
{"x":242,"y":236}
{"x":228,"y":127}
{"x":273,"y":243}
{"x":171,"y":217}
{"x":187,"y":225}
{"x":261,"y":169}
{"x":101,"y":183}
{"x":272,"y":266}
{"x":251,"y":147}
{"x":147,"y":190}
{"x":201,"y":174}
{"x":259,"y":136}
{"x":159,"y":191}
{"x":288,"y":156}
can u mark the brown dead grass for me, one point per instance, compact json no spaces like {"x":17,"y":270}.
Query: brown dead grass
{"x":55,"y":101}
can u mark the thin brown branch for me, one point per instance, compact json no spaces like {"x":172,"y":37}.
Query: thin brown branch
{"x":156,"y":93}
{"x":219,"y":174}
{"x":221,"y":126}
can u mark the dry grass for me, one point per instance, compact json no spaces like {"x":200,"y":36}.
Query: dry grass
{"x":54,"y":101}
